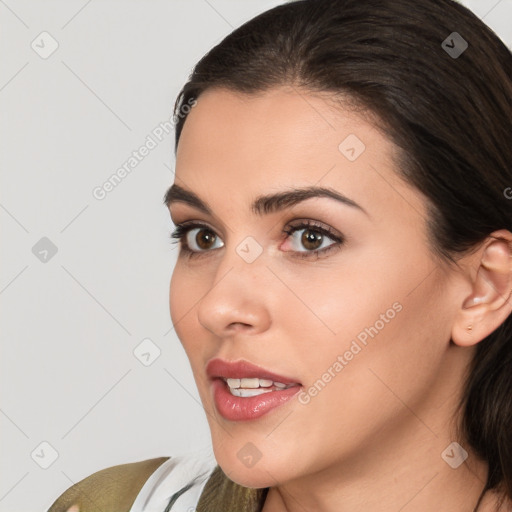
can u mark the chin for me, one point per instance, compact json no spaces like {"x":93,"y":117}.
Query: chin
{"x":257,"y":477}
{"x":250,"y":468}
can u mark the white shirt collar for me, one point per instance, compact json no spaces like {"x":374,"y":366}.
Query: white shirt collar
{"x":172,"y":476}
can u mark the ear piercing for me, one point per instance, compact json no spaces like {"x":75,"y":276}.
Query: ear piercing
{"x":469,"y":327}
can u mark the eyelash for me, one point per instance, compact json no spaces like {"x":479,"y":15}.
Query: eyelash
{"x":181,"y":230}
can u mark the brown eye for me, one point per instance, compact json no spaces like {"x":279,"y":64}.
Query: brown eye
{"x":311,"y":239}
{"x":201,"y":239}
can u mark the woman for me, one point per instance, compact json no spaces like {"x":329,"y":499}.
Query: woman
{"x":343,"y":287}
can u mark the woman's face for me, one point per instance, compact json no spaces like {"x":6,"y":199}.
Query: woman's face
{"x":352,"y":309}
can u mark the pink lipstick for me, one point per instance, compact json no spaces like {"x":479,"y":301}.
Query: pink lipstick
{"x":243,"y":391}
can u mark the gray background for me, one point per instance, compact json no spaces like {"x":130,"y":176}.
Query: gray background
{"x":72,"y":320}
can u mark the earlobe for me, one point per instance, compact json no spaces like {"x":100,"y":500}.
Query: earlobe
{"x":490,"y":301}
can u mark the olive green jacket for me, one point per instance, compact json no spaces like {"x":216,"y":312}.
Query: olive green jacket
{"x":115,"y":489}
{"x":112,"y":489}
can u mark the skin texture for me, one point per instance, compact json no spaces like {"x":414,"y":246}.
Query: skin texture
{"x":372,"y":438}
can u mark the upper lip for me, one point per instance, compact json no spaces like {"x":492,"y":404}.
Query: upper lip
{"x":219,"y":368}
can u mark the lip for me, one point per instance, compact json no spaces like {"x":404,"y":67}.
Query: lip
{"x":219,"y":368}
{"x":234,"y":408}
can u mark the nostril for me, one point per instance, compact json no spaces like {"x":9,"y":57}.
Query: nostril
{"x":239,"y":325}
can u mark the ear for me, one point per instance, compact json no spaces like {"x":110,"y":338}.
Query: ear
{"x":490,"y":300}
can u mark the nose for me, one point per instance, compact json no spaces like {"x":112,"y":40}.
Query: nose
{"x":238,"y":300}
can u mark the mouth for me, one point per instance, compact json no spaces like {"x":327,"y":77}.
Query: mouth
{"x":244,"y":391}
{"x":247,"y":387}
{"x":245,"y":375}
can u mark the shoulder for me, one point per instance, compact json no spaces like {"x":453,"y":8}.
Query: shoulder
{"x":111,"y":489}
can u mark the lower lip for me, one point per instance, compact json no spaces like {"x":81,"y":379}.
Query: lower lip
{"x":236,"y":408}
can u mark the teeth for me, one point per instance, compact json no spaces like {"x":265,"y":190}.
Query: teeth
{"x":247,"y":387}
{"x":233,"y":383}
{"x":250,"y":383}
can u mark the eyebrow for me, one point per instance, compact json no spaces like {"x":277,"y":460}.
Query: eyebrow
{"x":263,"y":204}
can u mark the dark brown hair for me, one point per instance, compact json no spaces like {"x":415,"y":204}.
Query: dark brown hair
{"x":449,"y":115}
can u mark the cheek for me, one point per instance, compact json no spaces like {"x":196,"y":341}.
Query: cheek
{"x":376,"y":336}
{"x":176,"y":295}
{"x":390,"y":355}
{"x":182,"y":297}
{"x":185,"y":293}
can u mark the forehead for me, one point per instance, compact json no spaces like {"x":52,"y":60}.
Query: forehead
{"x":281,"y":121}
{"x":248,"y":144}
